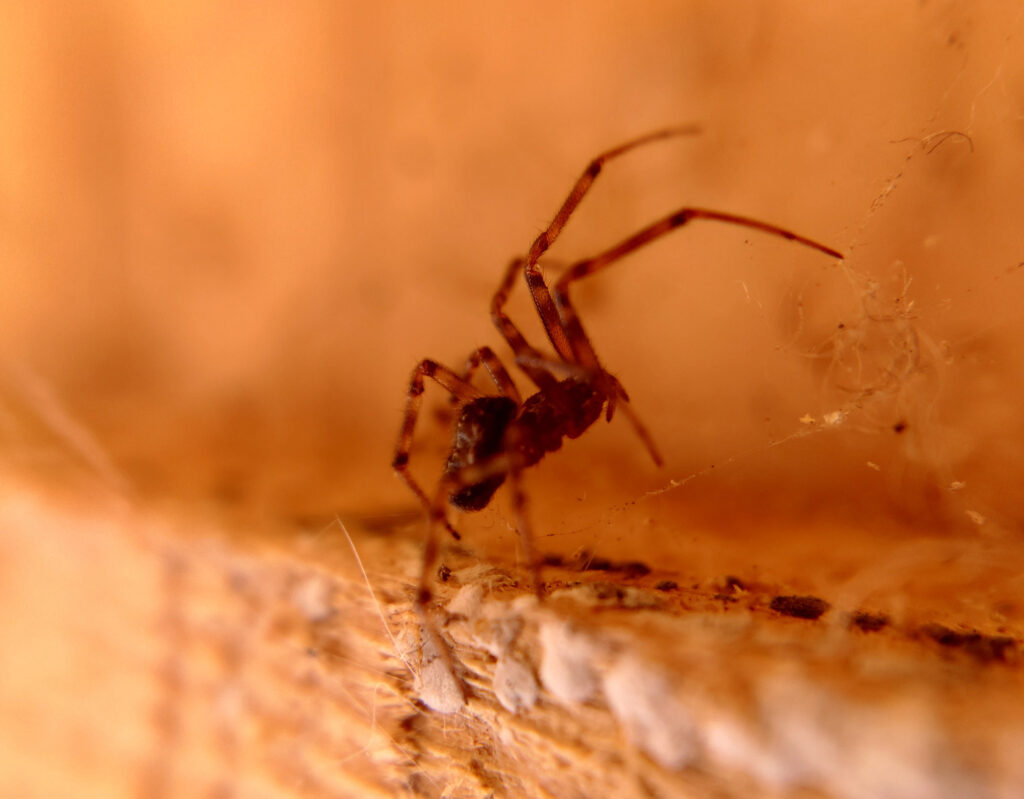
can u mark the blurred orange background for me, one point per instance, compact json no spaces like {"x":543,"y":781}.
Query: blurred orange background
{"x":229,"y":231}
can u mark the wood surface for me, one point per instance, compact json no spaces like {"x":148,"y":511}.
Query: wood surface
{"x":152,"y":654}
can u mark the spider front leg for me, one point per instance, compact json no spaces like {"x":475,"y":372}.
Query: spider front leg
{"x":569,"y":322}
{"x":539,"y":291}
{"x":459,"y":389}
{"x":542,"y":369}
{"x":508,"y":465}
{"x":495,"y":369}
{"x":529,"y":359}
{"x":582,"y":349}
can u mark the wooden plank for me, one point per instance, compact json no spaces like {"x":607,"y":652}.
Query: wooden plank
{"x":158,"y":655}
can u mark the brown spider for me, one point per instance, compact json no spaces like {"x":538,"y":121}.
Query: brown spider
{"x":497,"y":436}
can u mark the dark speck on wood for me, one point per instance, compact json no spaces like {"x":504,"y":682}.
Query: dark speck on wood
{"x":801,"y":607}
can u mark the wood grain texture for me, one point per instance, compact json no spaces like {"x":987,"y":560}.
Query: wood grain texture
{"x":156,"y":655}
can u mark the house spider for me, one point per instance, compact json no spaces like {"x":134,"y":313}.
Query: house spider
{"x":496,"y":436}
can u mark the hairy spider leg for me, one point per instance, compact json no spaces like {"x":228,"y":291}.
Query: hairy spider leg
{"x":499,"y":374}
{"x":582,"y":350}
{"x":539,"y":367}
{"x":508,"y":463}
{"x":521,"y":514}
{"x":504,"y":464}
{"x":529,"y":359}
{"x":542,"y":369}
{"x":459,"y":389}
{"x":538,"y":290}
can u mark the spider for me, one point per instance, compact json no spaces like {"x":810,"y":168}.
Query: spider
{"x":497,"y":436}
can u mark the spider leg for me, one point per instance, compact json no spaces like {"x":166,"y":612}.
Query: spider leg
{"x":422,"y":606}
{"x":505,"y":464}
{"x":642,"y":432}
{"x":581,"y":348}
{"x":522,"y":517}
{"x":526,"y":355}
{"x":497,"y":371}
{"x":534,"y":279}
{"x":543,"y":369}
{"x":561,"y":370}
{"x":459,"y":389}
{"x":508,"y":463}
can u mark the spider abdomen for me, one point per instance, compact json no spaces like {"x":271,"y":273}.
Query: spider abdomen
{"x":479,"y":435}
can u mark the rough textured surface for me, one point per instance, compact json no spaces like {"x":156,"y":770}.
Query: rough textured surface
{"x":160,"y":656}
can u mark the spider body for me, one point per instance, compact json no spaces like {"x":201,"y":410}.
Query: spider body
{"x":489,"y":426}
{"x":479,"y":435}
{"x":497,"y":436}
{"x":562,"y":410}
